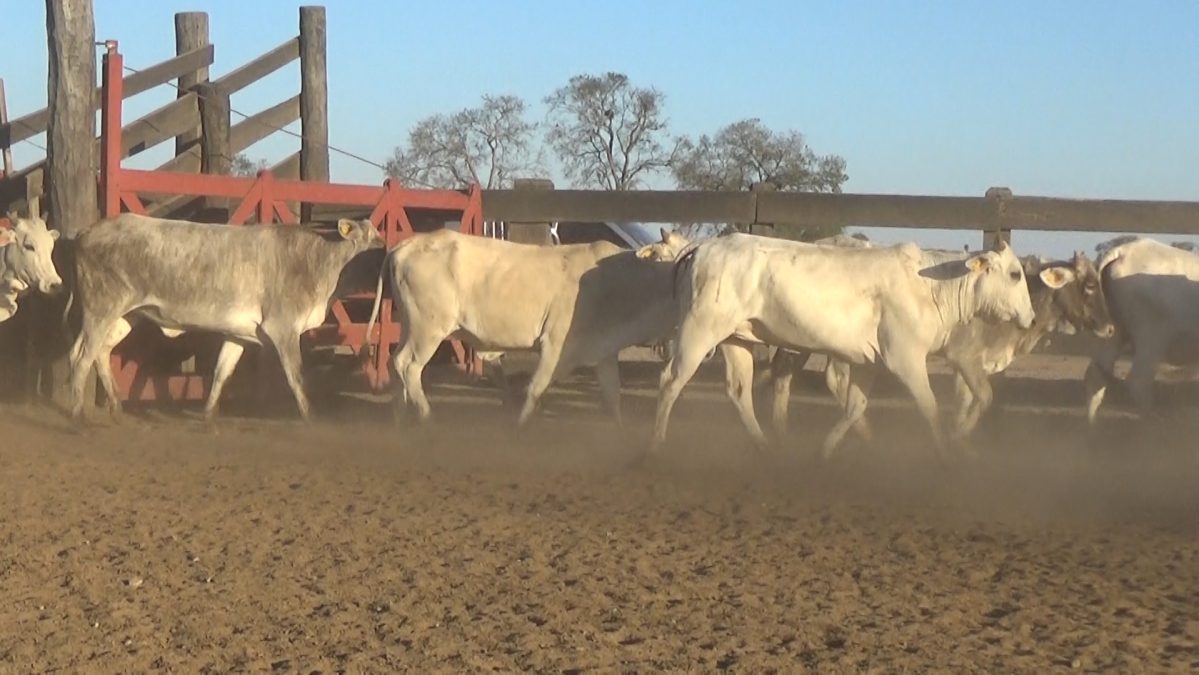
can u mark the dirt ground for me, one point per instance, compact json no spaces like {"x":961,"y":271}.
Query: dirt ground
{"x":349,"y":546}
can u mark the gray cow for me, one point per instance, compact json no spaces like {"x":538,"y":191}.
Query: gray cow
{"x":1065,"y":295}
{"x":254,"y":285}
{"x":26,"y":262}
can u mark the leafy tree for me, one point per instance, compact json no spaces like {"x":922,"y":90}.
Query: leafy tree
{"x":608,"y":133}
{"x":488,"y":145}
{"x":747,"y":152}
{"x":244,"y":166}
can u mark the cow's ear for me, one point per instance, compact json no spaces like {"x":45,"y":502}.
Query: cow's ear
{"x":665,"y":234}
{"x":1056,"y":277}
{"x":981,"y":262}
{"x":645,"y":252}
{"x":345,"y":228}
{"x":6,"y":237}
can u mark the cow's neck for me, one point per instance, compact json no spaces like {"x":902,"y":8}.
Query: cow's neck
{"x":954,"y":299}
{"x":1046,"y":314}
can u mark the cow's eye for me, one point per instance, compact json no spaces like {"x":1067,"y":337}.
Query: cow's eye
{"x":28,"y":246}
{"x":1015,"y":276}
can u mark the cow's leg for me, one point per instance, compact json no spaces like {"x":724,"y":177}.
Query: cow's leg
{"x":287,"y":346}
{"x":783,"y":367}
{"x":549,"y":363}
{"x":409,"y":365}
{"x":607,"y":372}
{"x":854,"y":395}
{"x":974,"y":400}
{"x":693,"y":343}
{"x":739,"y":384}
{"x":965,"y":399}
{"x":837,"y":378}
{"x":112,"y":397}
{"x":1141,"y":375}
{"x":226,"y":362}
{"x":1101,"y":371}
{"x":911,"y":368}
{"x":92,"y":335}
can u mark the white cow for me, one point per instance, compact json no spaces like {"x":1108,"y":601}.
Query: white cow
{"x":890,"y":305}
{"x":26,"y":262}
{"x":578,"y":305}
{"x":1152,"y":291}
{"x":1066,"y":295}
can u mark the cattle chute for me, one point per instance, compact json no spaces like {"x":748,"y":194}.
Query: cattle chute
{"x":142,"y":365}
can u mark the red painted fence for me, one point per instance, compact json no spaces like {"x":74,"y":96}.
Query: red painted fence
{"x":264,"y":199}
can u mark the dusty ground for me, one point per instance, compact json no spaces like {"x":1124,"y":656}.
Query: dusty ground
{"x":349,"y":547}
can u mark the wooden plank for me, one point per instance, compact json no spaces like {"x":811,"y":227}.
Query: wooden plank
{"x":258,"y":126}
{"x":171,"y":69}
{"x":632,"y":206}
{"x":1102,"y":215}
{"x":37,"y":122}
{"x":6,"y":166}
{"x":161,"y":125}
{"x":261,"y":67}
{"x":844,"y":210}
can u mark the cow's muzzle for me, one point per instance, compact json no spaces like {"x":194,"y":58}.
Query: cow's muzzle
{"x":52,"y":288}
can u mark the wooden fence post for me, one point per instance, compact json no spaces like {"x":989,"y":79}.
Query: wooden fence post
{"x":999,"y":229}
{"x":191,"y":32}
{"x":71,"y":164}
{"x":530,"y":233}
{"x":314,"y":101}
{"x":760,"y":229}
{"x":6,"y":168}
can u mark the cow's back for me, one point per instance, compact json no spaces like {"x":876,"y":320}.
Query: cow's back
{"x":1152,"y":291}
{"x":196,"y":264}
{"x":499,"y":292}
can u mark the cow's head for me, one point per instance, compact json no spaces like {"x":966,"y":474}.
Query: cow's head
{"x":997,"y":277}
{"x":669,"y":248}
{"x":1078,"y":294}
{"x":362,"y":233}
{"x":27,"y":250}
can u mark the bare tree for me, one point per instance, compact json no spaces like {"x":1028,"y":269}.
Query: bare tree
{"x":608,"y":133}
{"x":244,"y":166}
{"x":747,"y":152}
{"x":488,"y":145}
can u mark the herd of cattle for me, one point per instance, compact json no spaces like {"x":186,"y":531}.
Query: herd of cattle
{"x":864,"y":306}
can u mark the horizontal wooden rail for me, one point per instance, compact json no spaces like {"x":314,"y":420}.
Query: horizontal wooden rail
{"x":163,"y":124}
{"x":862,"y":210}
{"x":28,"y":126}
{"x":260,"y":67}
{"x":258,"y":126}
{"x":631,"y":206}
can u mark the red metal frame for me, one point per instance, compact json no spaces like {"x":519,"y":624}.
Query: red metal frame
{"x":265,"y":197}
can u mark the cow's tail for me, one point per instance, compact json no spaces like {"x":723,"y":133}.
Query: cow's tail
{"x":364,"y":351}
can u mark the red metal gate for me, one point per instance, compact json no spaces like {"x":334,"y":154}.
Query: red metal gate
{"x":265,"y":199}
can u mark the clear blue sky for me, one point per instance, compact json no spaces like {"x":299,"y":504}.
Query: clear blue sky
{"x":1063,"y":98}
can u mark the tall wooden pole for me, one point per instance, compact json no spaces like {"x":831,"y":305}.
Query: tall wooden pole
{"x":191,"y":33}
{"x":314,"y":100}
{"x":70,"y":151}
{"x":71,"y":164}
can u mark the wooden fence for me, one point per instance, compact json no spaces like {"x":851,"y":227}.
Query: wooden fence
{"x":194,"y":119}
{"x":996,"y":214}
